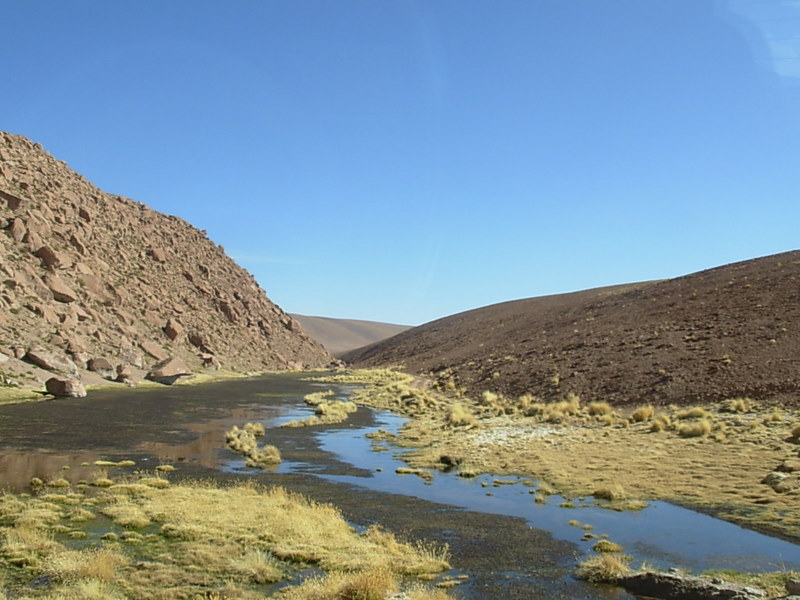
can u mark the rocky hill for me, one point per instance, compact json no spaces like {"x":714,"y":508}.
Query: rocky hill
{"x":96,"y":281}
{"x":341,"y":335}
{"x":720,"y":333}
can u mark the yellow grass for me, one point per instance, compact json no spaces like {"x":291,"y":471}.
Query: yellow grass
{"x":199,"y":540}
{"x":696,"y":429}
{"x":599,"y":408}
{"x":459,"y":415}
{"x":643,"y":413}
{"x":244,"y":442}
{"x":604,"y":568}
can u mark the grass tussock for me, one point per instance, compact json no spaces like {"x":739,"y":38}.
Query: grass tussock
{"x":326,"y":412}
{"x":607,"y":547}
{"x":738,"y":405}
{"x":696,"y":429}
{"x":599,"y":409}
{"x":244,"y":442}
{"x":643,"y":413}
{"x":612,"y":492}
{"x":190,"y":548}
{"x":695,"y":412}
{"x":604,"y":568}
{"x":660,"y":422}
{"x":459,"y":415}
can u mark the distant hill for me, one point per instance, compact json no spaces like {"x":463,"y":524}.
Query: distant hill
{"x":340,"y":335}
{"x":97,"y":280}
{"x":729,"y":331}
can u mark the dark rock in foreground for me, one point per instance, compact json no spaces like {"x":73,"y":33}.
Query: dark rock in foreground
{"x":65,"y":388}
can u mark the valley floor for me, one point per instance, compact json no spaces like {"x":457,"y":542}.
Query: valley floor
{"x":738,"y":459}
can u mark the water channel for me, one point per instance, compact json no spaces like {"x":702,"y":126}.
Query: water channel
{"x":508,"y":545}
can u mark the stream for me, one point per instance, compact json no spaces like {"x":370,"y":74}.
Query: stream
{"x":507,"y":545}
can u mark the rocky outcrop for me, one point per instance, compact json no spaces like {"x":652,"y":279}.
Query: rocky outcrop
{"x":122,"y":282}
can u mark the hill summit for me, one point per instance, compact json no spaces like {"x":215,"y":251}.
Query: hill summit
{"x":97,"y":282}
{"x":725,"y":332}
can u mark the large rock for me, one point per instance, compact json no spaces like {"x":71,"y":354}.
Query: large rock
{"x":61,"y":291}
{"x":100,"y":365}
{"x":51,"y":361}
{"x":65,"y":388}
{"x":168,"y":371}
{"x":153,"y":350}
{"x":173,"y":329}
{"x":678,"y":586}
{"x":53,"y":259}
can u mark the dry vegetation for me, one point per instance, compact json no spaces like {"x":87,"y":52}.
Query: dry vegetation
{"x":135,"y":540}
{"x":737,"y":458}
{"x":327,"y":410}
{"x":244,"y":442}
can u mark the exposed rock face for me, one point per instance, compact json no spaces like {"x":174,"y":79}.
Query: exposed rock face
{"x":65,"y":388}
{"x":107,"y":273}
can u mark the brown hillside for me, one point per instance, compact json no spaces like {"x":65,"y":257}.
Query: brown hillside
{"x":711,"y":335}
{"x":88,"y":275}
{"x":341,"y":335}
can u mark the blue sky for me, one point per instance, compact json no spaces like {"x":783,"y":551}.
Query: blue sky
{"x":404,"y":160}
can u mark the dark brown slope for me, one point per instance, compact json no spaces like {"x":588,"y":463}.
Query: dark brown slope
{"x":719,"y":333}
{"x":89,"y":275}
{"x":341,"y":335}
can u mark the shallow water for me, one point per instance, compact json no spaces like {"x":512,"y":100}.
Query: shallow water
{"x":509,"y":546}
{"x":662,"y":534}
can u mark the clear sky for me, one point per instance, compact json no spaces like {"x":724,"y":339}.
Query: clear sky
{"x":402,"y":160}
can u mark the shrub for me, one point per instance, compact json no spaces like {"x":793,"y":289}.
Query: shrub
{"x":737,"y":405}
{"x":660,"y":422}
{"x":607,"y":547}
{"x":643,"y":413}
{"x":605,"y":568}
{"x":599,"y":409}
{"x":697,"y":429}
{"x":460,"y":415}
{"x":613,"y":492}
{"x":695,"y":412}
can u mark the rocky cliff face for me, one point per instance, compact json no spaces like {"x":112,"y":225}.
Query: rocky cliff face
{"x":90,"y":280}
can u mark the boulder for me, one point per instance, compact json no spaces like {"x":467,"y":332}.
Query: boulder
{"x":51,"y":361}
{"x":100,"y":365}
{"x":61,"y":291}
{"x":12,"y":200}
{"x":124,"y":374}
{"x":65,"y":388}
{"x":210,"y":361}
{"x":168,"y":371}
{"x":679,"y":586}
{"x":158,"y":255}
{"x":153,"y":350}
{"x":18,"y":230}
{"x":173,"y":329}
{"x":52,"y":259}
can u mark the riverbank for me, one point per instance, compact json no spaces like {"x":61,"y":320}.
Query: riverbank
{"x":143,"y":537}
{"x":737,"y":460}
